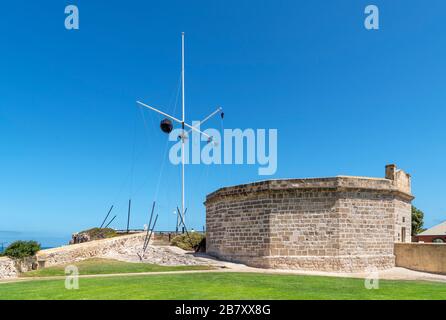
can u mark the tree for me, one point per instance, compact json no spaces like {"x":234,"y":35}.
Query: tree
{"x":417,"y":221}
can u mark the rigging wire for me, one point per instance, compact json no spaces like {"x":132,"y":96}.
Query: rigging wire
{"x":129,"y":177}
{"x":163,"y":162}
{"x":132,"y":165}
{"x":205,"y":174}
{"x":228,"y":176}
{"x":175,"y":96}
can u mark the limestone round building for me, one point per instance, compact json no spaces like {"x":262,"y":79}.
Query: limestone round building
{"x":343,"y":223}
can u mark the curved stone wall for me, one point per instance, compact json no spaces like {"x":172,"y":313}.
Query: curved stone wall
{"x":327,"y":224}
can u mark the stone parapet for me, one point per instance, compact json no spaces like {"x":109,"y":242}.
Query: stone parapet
{"x":340,"y":183}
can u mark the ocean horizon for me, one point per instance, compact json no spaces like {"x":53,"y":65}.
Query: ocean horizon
{"x":46,"y":239}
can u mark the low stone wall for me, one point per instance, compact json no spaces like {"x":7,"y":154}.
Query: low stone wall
{"x":87,"y":250}
{"x":8,"y":268}
{"x":428,"y":257}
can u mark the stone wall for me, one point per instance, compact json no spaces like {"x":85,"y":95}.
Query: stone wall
{"x":403,"y":220}
{"x":70,"y":253}
{"x":428,"y":257}
{"x":8,"y":268}
{"x":330,"y":224}
{"x":87,"y":250}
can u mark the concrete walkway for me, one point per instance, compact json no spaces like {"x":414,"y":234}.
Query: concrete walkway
{"x":395,"y":273}
{"x":223,"y":266}
{"x":390,"y":274}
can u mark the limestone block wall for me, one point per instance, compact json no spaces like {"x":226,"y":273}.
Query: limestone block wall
{"x":428,"y":257}
{"x":82,"y":251}
{"x":403,"y":221}
{"x":330,"y":224}
{"x":69,"y":254}
{"x":8,"y":268}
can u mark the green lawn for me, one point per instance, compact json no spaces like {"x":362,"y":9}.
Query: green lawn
{"x":247,"y":286}
{"x":106,"y":266}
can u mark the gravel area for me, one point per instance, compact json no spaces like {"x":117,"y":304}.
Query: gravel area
{"x":162,"y":255}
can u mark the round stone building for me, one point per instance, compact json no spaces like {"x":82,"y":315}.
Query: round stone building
{"x":345,"y":224}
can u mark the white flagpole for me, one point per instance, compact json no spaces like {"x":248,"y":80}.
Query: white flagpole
{"x":183,"y":136}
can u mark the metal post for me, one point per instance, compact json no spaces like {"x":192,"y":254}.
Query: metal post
{"x":110,"y":222}
{"x":106,"y":217}
{"x":150,"y":225}
{"x":128,"y":215}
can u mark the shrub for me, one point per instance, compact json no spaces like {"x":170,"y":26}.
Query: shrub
{"x":98,"y":233}
{"x":188,"y":243}
{"x":22,"y":249}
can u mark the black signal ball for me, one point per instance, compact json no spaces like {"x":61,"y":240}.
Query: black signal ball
{"x":166,"y":126}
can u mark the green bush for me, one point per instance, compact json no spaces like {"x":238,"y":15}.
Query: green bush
{"x":22,"y":249}
{"x":98,"y":233}
{"x":188,"y":243}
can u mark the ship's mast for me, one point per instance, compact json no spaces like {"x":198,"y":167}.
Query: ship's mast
{"x":184,"y":133}
{"x":183,"y":137}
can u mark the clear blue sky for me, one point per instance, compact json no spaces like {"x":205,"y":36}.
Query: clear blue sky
{"x":345,"y":100}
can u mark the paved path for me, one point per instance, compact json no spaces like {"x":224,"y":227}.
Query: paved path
{"x":395,"y":273}
{"x":222,"y":266}
{"x":390,"y":274}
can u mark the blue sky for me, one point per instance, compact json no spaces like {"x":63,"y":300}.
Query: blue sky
{"x":344,"y":99}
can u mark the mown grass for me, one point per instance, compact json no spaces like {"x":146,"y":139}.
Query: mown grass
{"x":239,"y":286}
{"x":107,"y":266}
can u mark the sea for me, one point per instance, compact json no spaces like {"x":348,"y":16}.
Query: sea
{"x":47,"y":240}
